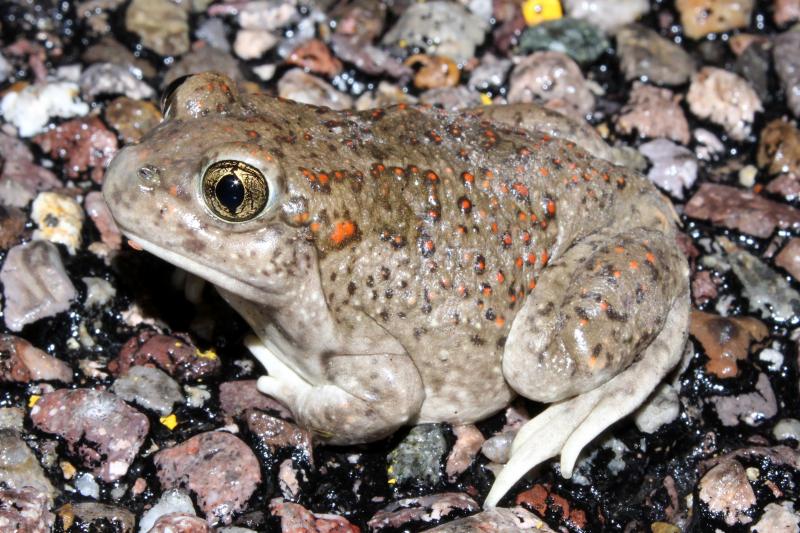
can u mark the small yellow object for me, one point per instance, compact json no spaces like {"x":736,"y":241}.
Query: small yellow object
{"x":170,"y":421}
{"x":68,"y":470}
{"x":486,"y":99}
{"x":208,"y":354}
{"x":536,"y":11}
{"x":33,"y":399}
{"x":392,"y":481}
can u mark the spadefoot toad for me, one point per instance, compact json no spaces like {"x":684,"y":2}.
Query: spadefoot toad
{"x":409,"y":265}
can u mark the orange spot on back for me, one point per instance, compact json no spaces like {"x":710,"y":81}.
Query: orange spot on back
{"x":343,"y":231}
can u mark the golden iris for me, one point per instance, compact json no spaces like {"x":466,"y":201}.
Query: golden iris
{"x":235,"y":191}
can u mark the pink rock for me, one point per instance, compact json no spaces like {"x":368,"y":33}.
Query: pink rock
{"x":275,"y":433}
{"x":21,"y":178}
{"x":98,"y":211}
{"x":104,"y":431}
{"x":496,"y":519}
{"x":25,"y":510}
{"x":174,"y":354}
{"x":180,"y":523}
{"x":82,"y":143}
{"x":235,"y":397}
{"x":20,"y":361}
{"x":703,"y":287}
{"x":469,"y":440}
{"x":217,"y":467}
{"x":786,"y":11}
{"x":741,"y":210}
{"x":726,"y":490}
{"x":297,"y":519}
{"x":654,"y":113}
{"x":789,"y":258}
{"x":424,"y":508}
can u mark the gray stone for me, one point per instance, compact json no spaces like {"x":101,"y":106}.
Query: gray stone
{"x":162,"y":26}
{"x":305,"y":88}
{"x":768,"y":292}
{"x":19,"y":467}
{"x":646,"y":55}
{"x":580,"y":39}
{"x":674,"y":167}
{"x":607,"y":14}
{"x":787,"y":65}
{"x":150,"y":388}
{"x":418,"y":458}
{"x":440,"y":28}
{"x":35,"y":284}
{"x":109,"y":79}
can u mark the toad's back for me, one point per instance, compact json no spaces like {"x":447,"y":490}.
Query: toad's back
{"x":435,"y":226}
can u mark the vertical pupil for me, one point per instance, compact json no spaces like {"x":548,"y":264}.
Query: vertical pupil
{"x":230,"y":192}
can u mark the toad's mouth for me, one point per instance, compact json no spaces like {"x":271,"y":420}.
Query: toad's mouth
{"x":243,"y":289}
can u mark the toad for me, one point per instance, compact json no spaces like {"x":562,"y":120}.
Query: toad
{"x":409,"y":265}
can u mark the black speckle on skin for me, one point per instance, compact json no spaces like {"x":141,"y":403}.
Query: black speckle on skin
{"x":477,"y":340}
{"x":501,"y":342}
{"x":351,"y":288}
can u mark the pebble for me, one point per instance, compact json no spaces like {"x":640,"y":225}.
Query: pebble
{"x":646,"y":55}
{"x":789,"y":258}
{"x":786,"y":185}
{"x":607,"y":14}
{"x":768,"y":293}
{"x":32,"y":108}
{"x":747,"y":176}
{"x":787,"y":66}
{"x":131,"y":118}
{"x":741,"y":210}
{"x":787,"y":428}
{"x":439,"y":28}
{"x":149,"y":388}
{"x":496,"y":519}
{"x":19,"y":467}
{"x":418,"y":457}
{"x":490,"y":73}
{"x":753,"y":65}
{"x":12,"y":418}
{"x":498,"y":447}
{"x":203,"y":58}
{"x":580,"y":39}
{"x":82,"y":143}
{"x":660,"y":409}
{"x":422,"y":509}
{"x":96,"y":13}
{"x":468,"y":443}
{"x":654,"y":113}
{"x":367,"y":58}
{"x":674,"y":167}
{"x":752,"y":408}
{"x":785,"y":11}
{"x":779,"y":148}
{"x":552,"y":78}
{"x":778,"y":517}
{"x":94,"y":516}
{"x":704,"y":287}
{"x":171,"y":501}
{"x":161,"y":25}
{"x":314,"y":56}
{"x":97,"y":210}
{"x":451,"y":98}
{"x":35,"y":284}
{"x":21,"y":178}
{"x":297,"y":519}
{"x":86,"y":485}
{"x":60,"y":219}
{"x":543,"y":501}
{"x":308,"y":89}
{"x":97,"y":426}
{"x":214,"y":33}
{"x":235,"y":397}
{"x":25,"y":509}
{"x":726,"y":340}
{"x":725,"y":99}
{"x":726,"y":490}
{"x":12,"y":226}
{"x":701,"y":17}
{"x":433,"y":71}
{"x":5,"y":69}
{"x":253,"y":44}
{"x":180,"y":523}
{"x":102,"y":79}
{"x":22,"y":362}
{"x":174,"y":354}
{"x":109,"y":50}
{"x":269,"y":15}
{"x":98,"y":292}
{"x":217,"y":467}
{"x":274,"y":434}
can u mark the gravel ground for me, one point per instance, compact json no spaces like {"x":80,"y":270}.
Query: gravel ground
{"x":127,"y":399}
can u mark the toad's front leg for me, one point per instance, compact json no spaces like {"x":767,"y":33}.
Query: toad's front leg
{"x":362,"y":398}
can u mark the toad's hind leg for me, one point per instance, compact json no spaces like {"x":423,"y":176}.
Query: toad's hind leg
{"x":606,"y":324}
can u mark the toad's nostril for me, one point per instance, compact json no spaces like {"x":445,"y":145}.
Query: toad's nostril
{"x":149,"y":177}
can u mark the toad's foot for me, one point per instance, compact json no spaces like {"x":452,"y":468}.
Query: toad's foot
{"x":359,"y":398}
{"x":569,"y":425}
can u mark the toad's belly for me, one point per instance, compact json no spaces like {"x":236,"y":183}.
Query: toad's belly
{"x":464,"y":390}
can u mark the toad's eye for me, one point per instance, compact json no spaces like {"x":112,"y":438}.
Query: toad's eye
{"x":235,"y":191}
